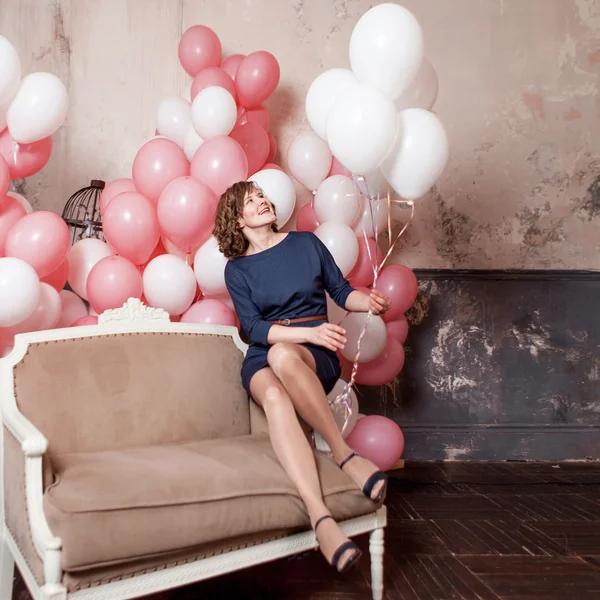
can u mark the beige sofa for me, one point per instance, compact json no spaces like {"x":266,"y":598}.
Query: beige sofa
{"x":133,"y":462}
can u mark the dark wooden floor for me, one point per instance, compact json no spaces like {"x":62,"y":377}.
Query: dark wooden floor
{"x":462,"y":531}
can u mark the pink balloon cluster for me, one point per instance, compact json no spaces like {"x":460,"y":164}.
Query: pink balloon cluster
{"x":157,"y":222}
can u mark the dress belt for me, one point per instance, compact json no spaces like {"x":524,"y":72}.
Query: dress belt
{"x":286,"y":322}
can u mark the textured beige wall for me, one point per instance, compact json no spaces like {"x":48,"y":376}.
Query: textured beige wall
{"x":518,"y":95}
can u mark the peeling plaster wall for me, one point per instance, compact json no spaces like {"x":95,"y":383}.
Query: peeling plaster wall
{"x":518,"y":95}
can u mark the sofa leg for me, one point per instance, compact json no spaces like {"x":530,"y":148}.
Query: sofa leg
{"x":7,"y":571}
{"x":376,"y":551}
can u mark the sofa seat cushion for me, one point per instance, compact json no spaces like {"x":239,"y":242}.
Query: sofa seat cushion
{"x":117,"y":506}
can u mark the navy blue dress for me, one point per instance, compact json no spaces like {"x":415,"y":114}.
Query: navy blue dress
{"x":287,"y":281}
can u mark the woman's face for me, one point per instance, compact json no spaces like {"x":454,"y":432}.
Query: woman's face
{"x":258,"y":210}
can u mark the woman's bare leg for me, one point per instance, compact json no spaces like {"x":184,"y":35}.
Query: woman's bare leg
{"x":294,"y":366}
{"x":296,"y":457}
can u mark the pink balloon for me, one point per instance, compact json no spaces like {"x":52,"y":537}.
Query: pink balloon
{"x":41,"y":239}
{"x":219,"y":163}
{"x":254,"y":142}
{"x":58,"y":278}
{"x":306,"y":220}
{"x":131,"y":226}
{"x":272,"y":147}
{"x":24,"y":160}
{"x":73,"y":308}
{"x":210,"y":312}
{"x":82,"y":257}
{"x":398,"y":329}
{"x":338,"y":169}
{"x":385,"y":367}
{"x":87,"y":320}
{"x":111,"y":282}
{"x":199,"y":48}
{"x":11,"y":211}
{"x":231,"y":63}
{"x":212,"y":76}
{"x":268,"y":166}
{"x":362,"y":272}
{"x":256,"y":78}
{"x":400,"y":284}
{"x":156,"y":164}
{"x":186,"y":213}
{"x":4,"y":178}
{"x":259,"y":115}
{"x":378,"y":439}
{"x":113,"y":188}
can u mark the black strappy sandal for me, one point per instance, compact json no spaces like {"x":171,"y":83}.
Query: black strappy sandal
{"x":337,"y":555}
{"x":371,"y":482}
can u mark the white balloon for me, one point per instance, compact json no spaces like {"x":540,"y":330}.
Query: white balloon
{"x":22,"y":201}
{"x":174,"y":118}
{"x":377,"y":212}
{"x":361,"y":128}
{"x":279,"y":189}
{"x":321,"y":95}
{"x":39,"y":108}
{"x":341,"y":242}
{"x":335,"y":313}
{"x":419,"y":156}
{"x":386,"y":48}
{"x":422,"y":92}
{"x":10,"y":71}
{"x":19,"y":291}
{"x":337,"y":200}
{"x":309,"y":159}
{"x":209,"y":267}
{"x":214,"y":112}
{"x":3,"y":111}
{"x":45,"y":316}
{"x":339,"y":409}
{"x":169,"y":283}
{"x":373,"y":184}
{"x":191,"y":142}
{"x":373,"y":341}
{"x":82,"y":257}
{"x":73,"y":308}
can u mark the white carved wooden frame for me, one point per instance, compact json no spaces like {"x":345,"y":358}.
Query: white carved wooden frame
{"x":134,"y":316}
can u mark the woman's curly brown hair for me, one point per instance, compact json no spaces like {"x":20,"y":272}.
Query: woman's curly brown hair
{"x":232,"y":242}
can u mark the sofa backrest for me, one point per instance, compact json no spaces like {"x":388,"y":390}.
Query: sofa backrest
{"x":130,"y":389}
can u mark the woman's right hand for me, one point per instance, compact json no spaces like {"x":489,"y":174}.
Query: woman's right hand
{"x":327,"y":335}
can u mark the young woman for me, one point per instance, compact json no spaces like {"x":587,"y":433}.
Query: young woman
{"x":277,"y":282}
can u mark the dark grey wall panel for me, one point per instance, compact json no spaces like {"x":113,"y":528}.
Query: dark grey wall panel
{"x":500,"y":365}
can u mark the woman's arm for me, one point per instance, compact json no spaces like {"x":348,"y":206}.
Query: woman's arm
{"x":250,"y":318}
{"x":327,"y":335}
{"x":342,"y":293}
{"x":377,"y":302}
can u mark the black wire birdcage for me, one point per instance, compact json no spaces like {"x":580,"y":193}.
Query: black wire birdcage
{"x":82,"y":212}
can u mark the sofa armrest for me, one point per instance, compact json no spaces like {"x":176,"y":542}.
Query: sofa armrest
{"x":32,"y":441}
{"x":30,"y":519}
